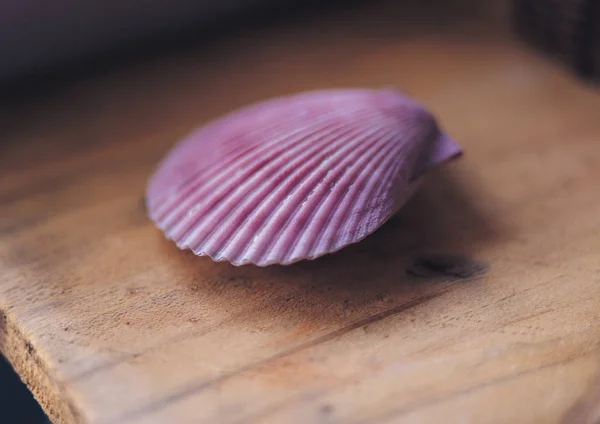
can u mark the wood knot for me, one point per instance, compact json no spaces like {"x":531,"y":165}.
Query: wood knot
{"x":438,"y":265}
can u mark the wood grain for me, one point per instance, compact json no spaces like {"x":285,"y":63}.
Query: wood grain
{"x":107,"y":322}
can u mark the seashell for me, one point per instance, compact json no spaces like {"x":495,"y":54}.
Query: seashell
{"x":295,"y":177}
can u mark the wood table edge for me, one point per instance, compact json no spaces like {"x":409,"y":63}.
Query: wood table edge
{"x":46,"y":389}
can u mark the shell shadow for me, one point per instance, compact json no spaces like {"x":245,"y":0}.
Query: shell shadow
{"x":441,"y":217}
{"x":429,"y":245}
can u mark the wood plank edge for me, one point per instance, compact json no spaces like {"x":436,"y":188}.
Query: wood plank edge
{"x":26,"y":361}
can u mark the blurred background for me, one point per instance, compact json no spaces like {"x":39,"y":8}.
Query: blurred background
{"x":43,"y":43}
{"x":16,"y":401}
{"x":61,"y":38}
{"x":38,"y":37}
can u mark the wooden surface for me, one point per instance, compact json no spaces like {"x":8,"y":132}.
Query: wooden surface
{"x":107,"y":322}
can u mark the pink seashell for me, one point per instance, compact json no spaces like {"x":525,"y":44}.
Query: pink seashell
{"x":295,"y":177}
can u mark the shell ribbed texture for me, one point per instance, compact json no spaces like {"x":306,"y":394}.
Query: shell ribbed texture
{"x":296,"y":177}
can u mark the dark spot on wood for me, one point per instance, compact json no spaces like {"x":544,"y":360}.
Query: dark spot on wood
{"x":29,"y":348}
{"x":326,"y":409}
{"x":446,"y":266}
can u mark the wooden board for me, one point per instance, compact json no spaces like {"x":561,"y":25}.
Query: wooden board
{"x":107,"y":322}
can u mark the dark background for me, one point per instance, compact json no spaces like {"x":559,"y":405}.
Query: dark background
{"x":16,"y":401}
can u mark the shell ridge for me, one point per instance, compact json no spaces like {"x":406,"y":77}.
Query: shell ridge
{"x":310,"y":98}
{"x":334,"y":132}
{"x":262,"y":131}
{"x":321,"y":216}
{"x":193,"y":180}
{"x":233,"y":190}
{"x":387,"y":177}
{"x":294,"y":180}
{"x":282,"y":175}
{"x":188,"y":143}
{"x":294,"y":199}
{"x":222,"y":175}
{"x":284,"y":238}
{"x":322,"y":240}
{"x":352,"y":227}
{"x":333,"y":229}
{"x":174,"y":222}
